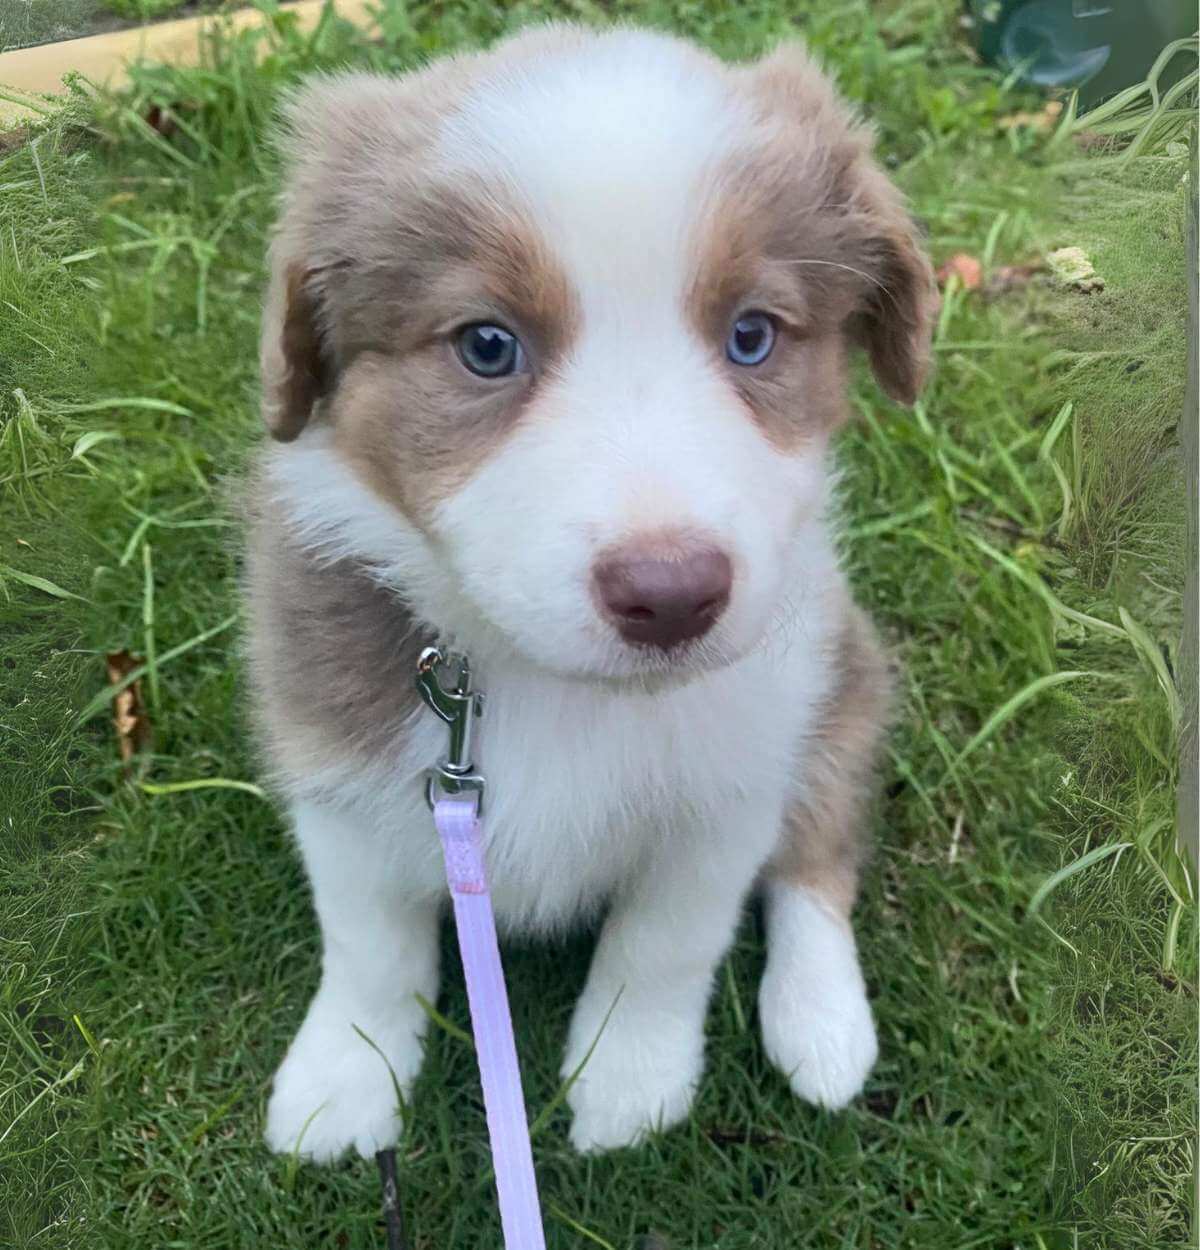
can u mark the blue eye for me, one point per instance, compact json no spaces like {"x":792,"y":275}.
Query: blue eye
{"x":751,"y":339}
{"x":490,"y":351}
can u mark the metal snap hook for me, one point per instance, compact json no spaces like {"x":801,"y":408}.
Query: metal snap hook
{"x":455,"y":704}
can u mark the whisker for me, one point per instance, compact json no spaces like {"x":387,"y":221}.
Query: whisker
{"x":834,"y":264}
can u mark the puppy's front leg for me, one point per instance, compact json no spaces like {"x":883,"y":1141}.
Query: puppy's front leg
{"x":816,"y":1020}
{"x":653,"y":970}
{"x":333,"y":1090}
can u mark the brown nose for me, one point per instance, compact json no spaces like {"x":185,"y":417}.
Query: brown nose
{"x":661,"y":601}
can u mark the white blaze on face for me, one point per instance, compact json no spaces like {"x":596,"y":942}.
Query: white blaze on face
{"x":609,"y":151}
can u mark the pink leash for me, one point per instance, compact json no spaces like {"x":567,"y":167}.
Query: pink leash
{"x":455,"y":792}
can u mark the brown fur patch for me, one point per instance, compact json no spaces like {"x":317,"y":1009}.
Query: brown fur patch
{"x":802,"y":224}
{"x":407,"y":415}
{"x":292,"y":357}
{"x":332,"y":654}
{"x":376,"y":264}
{"x":823,"y":844}
{"x":742,"y":265}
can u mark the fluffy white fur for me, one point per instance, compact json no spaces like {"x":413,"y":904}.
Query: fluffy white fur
{"x":816,"y":1023}
{"x":612,"y":778}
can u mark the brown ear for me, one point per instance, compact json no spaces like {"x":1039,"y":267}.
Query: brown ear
{"x":858,"y":208}
{"x":294,"y":370}
{"x":347,"y":142}
{"x":894,"y":324}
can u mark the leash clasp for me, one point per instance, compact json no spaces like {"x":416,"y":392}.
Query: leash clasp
{"x":455,"y":704}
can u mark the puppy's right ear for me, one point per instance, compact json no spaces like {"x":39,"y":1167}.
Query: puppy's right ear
{"x":295,"y":371}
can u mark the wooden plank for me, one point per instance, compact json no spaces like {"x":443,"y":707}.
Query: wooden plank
{"x":104,"y":59}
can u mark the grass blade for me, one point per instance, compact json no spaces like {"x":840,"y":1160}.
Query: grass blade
{"x":215,"y":1117}
{"x":1007,"y":710}
{"x":1035,"y":583}
{"x":565,"y":1088}
{"x":137,"y":401}
{"x":1094,"y":856}
{"x":401,"y":1101}
{"x":202,"y":783}
{"x":38,"y":583}
{"x":446,"y":1025}
{"x":575,"y":1226}
{"x":148,"y":622}
{"x":1171,"y":939}
{"x":91,"y":439}
{"x":1152,"y":657}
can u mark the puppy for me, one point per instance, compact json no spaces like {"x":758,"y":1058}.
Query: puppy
{"x":555,"y":341}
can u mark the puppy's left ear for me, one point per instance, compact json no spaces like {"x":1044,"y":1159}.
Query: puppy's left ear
{"x":851,"y":202}
{"x":293,"y":363}
{"x":894,"y":323}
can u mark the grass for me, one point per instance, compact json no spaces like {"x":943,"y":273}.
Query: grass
{"x":1038,"y":1073}
{"x":149,"y":10}
{"x":26,"y":22}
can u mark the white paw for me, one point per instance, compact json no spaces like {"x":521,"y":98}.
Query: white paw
{"x":816,"y":1021}
{"x":823,"y":1042}
{"x":637,"y":1081}
{"x":333,"y":1091}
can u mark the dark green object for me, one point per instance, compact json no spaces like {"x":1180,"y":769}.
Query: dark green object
{"x":1099,"y":46}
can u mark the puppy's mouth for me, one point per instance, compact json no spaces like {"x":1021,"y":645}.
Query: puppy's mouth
{"x":620,"y":666}
{"x":655,"y":669}
{"x":635,"y":669}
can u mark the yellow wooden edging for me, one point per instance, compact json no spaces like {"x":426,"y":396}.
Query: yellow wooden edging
{"x":103,"y":59}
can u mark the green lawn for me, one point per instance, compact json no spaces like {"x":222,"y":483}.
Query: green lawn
{"x":1037,"y":1083}
{"x":24,"y":23}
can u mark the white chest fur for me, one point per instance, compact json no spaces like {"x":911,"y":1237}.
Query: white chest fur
{"x":584,"y":782}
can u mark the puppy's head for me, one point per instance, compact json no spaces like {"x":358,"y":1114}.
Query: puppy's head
{"x":559,"y":334}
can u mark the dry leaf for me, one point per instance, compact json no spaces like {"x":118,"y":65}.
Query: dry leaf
{"x":1043,"y":121}
{"x":129,"y":712}
{"x":965,"y":268}
{"x":1072,"y":267}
